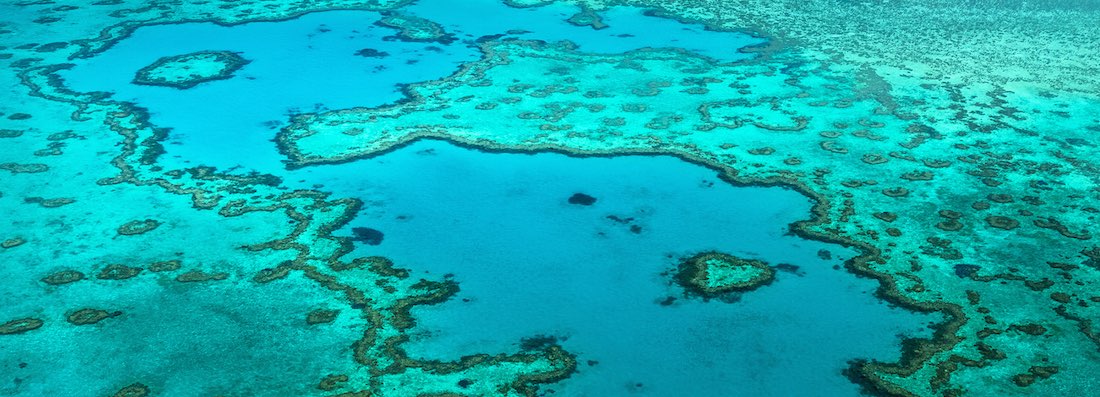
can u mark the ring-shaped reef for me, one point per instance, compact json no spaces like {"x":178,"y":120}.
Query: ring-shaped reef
{"x":188,"y":70}
{"x":710,"y":274}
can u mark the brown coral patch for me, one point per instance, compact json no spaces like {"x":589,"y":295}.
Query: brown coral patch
{"x":63,"y":277}
{"x":874,"y":159}
{"x":332,"y":382}
{"x":896,"y":192}
{"x":20,"y":326}
{"x":12,"y":243}
{"x":917,"y":176}
{"x":1002,"y":222}
{"x":1030,"y":329}
{"x":383,"y":266}
{"x":49,"y":203}
{"x":17,"y":168}
{"x":763,"y":151}
{"x":133,"y":390}
{"x":198,"y":276}
{"x":138,"y":227}
{"x":88,"y":316}
{"x":695,"y":274}
{"x":268,"y":275}
{"x":950,"y":225}
{"x":118,"y":272}
{"x":165,"y":266}
{"x":321,"y":316}
{"x":886,"y":216}
{"x":1054,"y":224}
{"x":1034,"y":373}
{"x":949,"y":214}
{"x":833,"y":147}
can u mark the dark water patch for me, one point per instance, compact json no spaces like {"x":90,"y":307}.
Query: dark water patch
{"x":582,"y":199}
{"x":965,"y":270}
{"x":372,"y":53}
{"x":367,"y":235}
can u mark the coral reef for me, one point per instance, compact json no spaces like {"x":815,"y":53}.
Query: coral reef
{"x":189,"y":70}
{"x":711,"y":274}
{"x":962,"y":171}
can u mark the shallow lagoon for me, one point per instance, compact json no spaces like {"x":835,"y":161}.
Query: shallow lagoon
{"x":528,"y":262}
{"x":310,"y":63}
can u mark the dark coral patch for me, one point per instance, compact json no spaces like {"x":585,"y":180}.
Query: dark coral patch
{"x":268,"y":275}
{"x":118,"y":272}
{"x":538,"y":342}
{"x":20,"y":326}
{"x":332,"y":382}
{"x":1034,"y":373}
{"x":12,"y":243}
{"x":134,"y":390}
{"x":965,"y":270}
{"x":711,"y":274}
{"x":49,"y":203}
{"x":896,"y":192}
{"x":950,"y":225}
{"x":581,"y":199}
{"x":6,"y":133}
{"x":198,"y":276}
{"x":587,"y":17}
{"x":1002,"y":222}
{"x":321,"y":316}
{"x":63,"y":277}
{"x":384,"y":266}
{"x":165,"y":266}
{"x":1092,"y":256}
{"x":89,"y":316}
{"x":186,"y":76}
{"x":132,"y":228}
{"x":372,"y":53}
{"x":17,"y":168}
{"x":886,"y":216}
{"x":367,"y":235}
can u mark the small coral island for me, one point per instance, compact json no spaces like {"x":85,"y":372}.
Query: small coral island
{"x":710,"y":274}
{"x":189,"y":70}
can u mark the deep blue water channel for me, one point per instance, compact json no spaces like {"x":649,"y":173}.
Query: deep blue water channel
{"x":528,"y":262}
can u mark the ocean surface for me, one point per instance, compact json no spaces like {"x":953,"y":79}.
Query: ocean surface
{"x":309,"y":64}
{"x":529,"y":263}
{"x":130,"y":268}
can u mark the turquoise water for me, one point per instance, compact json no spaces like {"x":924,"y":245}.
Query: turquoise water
{"x":597,"y":278}
{"x":529,"y":263}
{"x":309,"y":64}
{"x":952,"y":144}
{"x":181,"y":340}
{"x":627,"y":28}
{"x":294,"y":67}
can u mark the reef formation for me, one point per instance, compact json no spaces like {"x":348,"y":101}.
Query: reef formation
{"x":711,"y":274}
{"x":962,"y":171}
{"x":921,"y":171}
{"x":189,"y":70}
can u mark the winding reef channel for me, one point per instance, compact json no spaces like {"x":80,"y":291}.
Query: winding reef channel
{"x":525,"y":197}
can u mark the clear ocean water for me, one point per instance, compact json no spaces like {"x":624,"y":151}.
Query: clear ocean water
{"x":271,"y":286}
